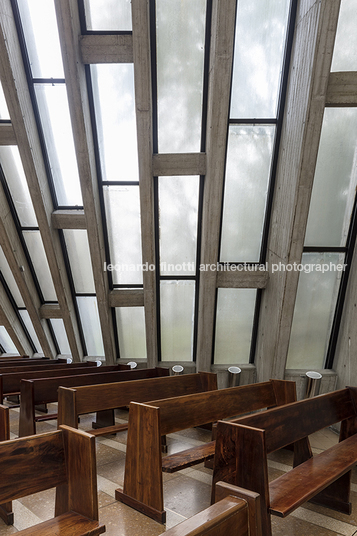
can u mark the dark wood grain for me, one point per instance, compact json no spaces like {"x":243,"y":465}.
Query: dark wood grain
{"x":69,"y":524}
{"x":6,"y":513}
{"x":188,"y":458}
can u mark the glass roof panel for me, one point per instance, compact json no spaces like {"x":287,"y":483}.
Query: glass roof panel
{"x":10,"y":280}
{"x":56,"y":123}
{"x":108,"y":14}
{"x":345,"y":51}
{"x":80,"y":260}
{"x":178,"y":209}
{"x":122,"y":206}
{"x":131,"y":332}
{"x":61,"y":336}
{"x":16,"y":181}
{"x":29,"y":326}
{"x":335,"y":179}
{"x":4,"y":112}
{"x":177,"y":300}
{"x":6,"y":342}
{"x":234,"y":324}
{"x":258,"y":54}
{"x":180,"y":60}
{"x":39,"y":260}
{"x":314,"y":310}
{"x":88,"y":311}
{"x":114,"y":102}
{"x":41,"y":35}
{"x":246,"y":185}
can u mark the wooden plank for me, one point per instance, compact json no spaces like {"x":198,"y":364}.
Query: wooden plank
{"x":305,"y":102}
{"x":7,"y":134}
{"x":69,"y":219}
{"x":106,"y":48}
{"x":221,"y":57}
{"x":179,"y":164}
{"x":126,"y":298}
{"x":69,"y":523}
{"x":341,"y":89}
{"x":230,"y":278}
{"x":188,"y":458}
{"x":69,"y":31}
{"x":14,"y":83}
{"x":143,"y":103}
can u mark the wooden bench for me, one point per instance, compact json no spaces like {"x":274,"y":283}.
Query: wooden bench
{"x":64,"y":458}
{"x":242,"y":448}
{"x":45,"y":390}
{"x":230,"y":515}
{"x":143,"y":488}
{"x":6,"y":512}
{"x":10,"y":381}
{"x":99,"y":398}
{"x":25,"y":363}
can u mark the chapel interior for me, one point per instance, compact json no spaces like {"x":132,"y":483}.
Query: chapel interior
{"x":178,"y":189}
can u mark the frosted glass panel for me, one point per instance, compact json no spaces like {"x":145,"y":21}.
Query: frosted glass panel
{"x":122,"y":208}
{"x":258,"y":55}
{"x":41,"y":36}
{"x":345,"y":52}
{"x":335,"y":179}
{"x":131,"y":332}
{"x":4,"y":112}
{"x":108,"y":14}
{"x":177,"y":315}
{"x":314,"y":310}
{"x":88,"y":311}
{"x":29,"y":326}
{"x":234,"y":325}
{"x":39,"y":260}
{"x":54,"y":112}
{"x":15,"y":178}
{"x":6,"y":342}
{"x":61,"y":336}
{"x":113,"y":90}
{"x":178,"y":206}
{"x":180,"y":55}
{"x":80,"y":261}
{"x":247,"y":175}
{"x":10,"y":280}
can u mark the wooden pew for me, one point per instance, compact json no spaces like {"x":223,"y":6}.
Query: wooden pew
{"x":230,"y":515}
{"x":24,"y":363}
{"x":13,"y":357}
{"x":45,"y":390}
{"x":96,"y":398}
{"x":10,"y":381}
{"x":6,"y":512}
{"x":242,"y":447}
{"x":143,"y":488}
{"x":64,"y":458}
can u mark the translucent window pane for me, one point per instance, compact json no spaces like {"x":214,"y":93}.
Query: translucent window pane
{"x":15,"y":178}
{"x":180,"y":56}
{"x":345,"y":51}
{"x":39,"y":260}
{"x":177,"y":299}
{"x":10,"y":280}
{"x":178,"y":207}
{"x":56,"y":123}
{"x":6,"y":342}
{"x":335,"y":179}
{"x":61,"y":336}
{"x":80,"y":260}
{"x":258,"y":54}
{"x":41,"y":35}
{"x":131,"y":331}
{"x":246,"y":186}
{"x":88,"y":311}
{"x":122,"y":207}
{"x":114,"y":101}
{"x":29,"y":326}
{"x":108,"y":14}
{"x":314,"y":310}
{"x":234,"y":325}
{"x":4,"y":112}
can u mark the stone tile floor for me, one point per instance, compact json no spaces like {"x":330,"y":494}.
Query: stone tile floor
{"x":186,"y":492}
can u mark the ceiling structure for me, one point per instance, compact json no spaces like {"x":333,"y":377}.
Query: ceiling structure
{"x":178,"y":182}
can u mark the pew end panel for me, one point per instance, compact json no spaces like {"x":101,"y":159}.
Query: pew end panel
{"x":253,"y":500}
{"x":6,"y":513}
